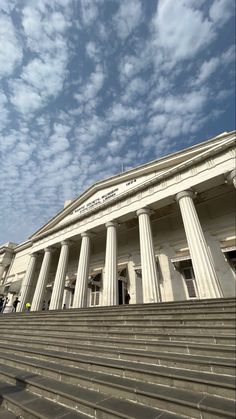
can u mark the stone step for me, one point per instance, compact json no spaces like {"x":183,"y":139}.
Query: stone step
{"x":193,"y":348}
{"x":179,"y":360}
{"x":219,"y":305}
{"x":135,"y":330}
{"x":194,"y":405}
{"x":21,"y":404}
{"x":124,"y":339}
{"x":217,"y":384}
{"x":131,"y":322}
{"x":40,"y":392}
{"x":68,"y":315}
{"x":93,"y":312}
{"x":6,"y":414}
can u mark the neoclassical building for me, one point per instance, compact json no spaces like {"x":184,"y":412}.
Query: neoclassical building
{"x":164,"y":231}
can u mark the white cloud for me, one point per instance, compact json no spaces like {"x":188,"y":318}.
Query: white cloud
{"x":127,"y":18}
{"x":7,"y":6}
{"x":206,"y":70}
{"x":221,"y":11}
{"x":46,"y":77}
{"x":93,"y":51}
{"x":89,"y":11}
{"x":119,"y":112}
{"x":11,"y":50}
{"x":25,"y":98}
{"x":3,"y":110}
{"x":180,"y":30}
{"x":90,"y":90}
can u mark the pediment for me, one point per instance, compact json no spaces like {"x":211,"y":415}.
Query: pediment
{"x":112,"y":189}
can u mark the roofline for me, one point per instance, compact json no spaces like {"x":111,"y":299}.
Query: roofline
{"x":69,"y":208}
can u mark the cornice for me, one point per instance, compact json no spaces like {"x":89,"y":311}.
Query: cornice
{"x":23,"y":246}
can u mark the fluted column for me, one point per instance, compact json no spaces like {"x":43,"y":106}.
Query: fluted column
{"x":81,"y":286}
{"x":205,"y":275}
{"x":148,"y":261}
{"x":27,"y":281}
{"x":42,"y":280}
{"x":231,"y":177}
{"x":110,"y":284}
{"x":59,"y":283}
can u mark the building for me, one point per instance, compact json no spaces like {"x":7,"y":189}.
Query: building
{"x":164,"y":231}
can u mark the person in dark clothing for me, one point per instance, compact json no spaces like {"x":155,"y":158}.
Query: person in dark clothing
{"x":1,"y":303}
{"x":44,"y":305}
{"x":127,"y":298}
{"x":15,"y":303}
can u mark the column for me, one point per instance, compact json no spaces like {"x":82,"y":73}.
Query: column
{"x":81,"y":286}
{"x":231,"y":177}
{"x":42,"y":280}
{"x":59,"y":283}
{"x":27,"y":281}
{"x":110,"y":283}
{"x":2,"y":269}
{"x":205,"y":275}
{"x":148,"y":261}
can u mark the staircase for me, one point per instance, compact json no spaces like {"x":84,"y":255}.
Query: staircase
{"x":167,"y":360}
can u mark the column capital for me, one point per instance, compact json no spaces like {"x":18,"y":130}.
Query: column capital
{"x":65,"y":242}
{"x":85,"y":234}
{"x":231,"y":176}
{"x":34,"y":255}
{"x":111,"y":224}
{"x":184,"y":194}
{"x":48,"y":249}
{"x":143,"y":211}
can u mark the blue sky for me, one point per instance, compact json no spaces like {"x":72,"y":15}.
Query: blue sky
{"x":89,"y":85}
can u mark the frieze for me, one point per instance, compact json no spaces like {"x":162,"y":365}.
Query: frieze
{"x":210,"y":162}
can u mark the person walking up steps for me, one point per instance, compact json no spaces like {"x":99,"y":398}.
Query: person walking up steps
{"x":15,"y":303}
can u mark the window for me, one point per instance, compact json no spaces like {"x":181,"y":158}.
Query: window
{"x":95,"y":293}
{"x":186,"y":269}
{"x":231,"y":258}
{"x":95,"y":284}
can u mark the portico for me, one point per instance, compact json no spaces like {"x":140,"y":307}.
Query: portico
{"x":143,"y":220}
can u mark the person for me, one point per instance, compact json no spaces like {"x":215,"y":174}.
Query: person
{"x":5,"y":301}
{"x":1,"y":304}
{"x":48,"y":304}
{"x":15,"y":303}
{"x":64,"y":306}
{"x":127,"y":298}
{"x":28,"y":306}
{"x":44,"y":305}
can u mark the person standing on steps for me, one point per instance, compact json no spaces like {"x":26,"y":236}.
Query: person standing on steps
{"x":127,"y":298}
{"x":15,"y":303}
{"x":28,"y":306}
{"x":1,"y":304}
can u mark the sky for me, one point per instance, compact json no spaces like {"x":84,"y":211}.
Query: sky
{"x":90,"y":86}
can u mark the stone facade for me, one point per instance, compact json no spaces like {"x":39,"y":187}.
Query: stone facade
{"x":164,"y":231}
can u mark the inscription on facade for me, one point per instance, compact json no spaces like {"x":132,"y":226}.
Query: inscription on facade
{"x":103,"y":198}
